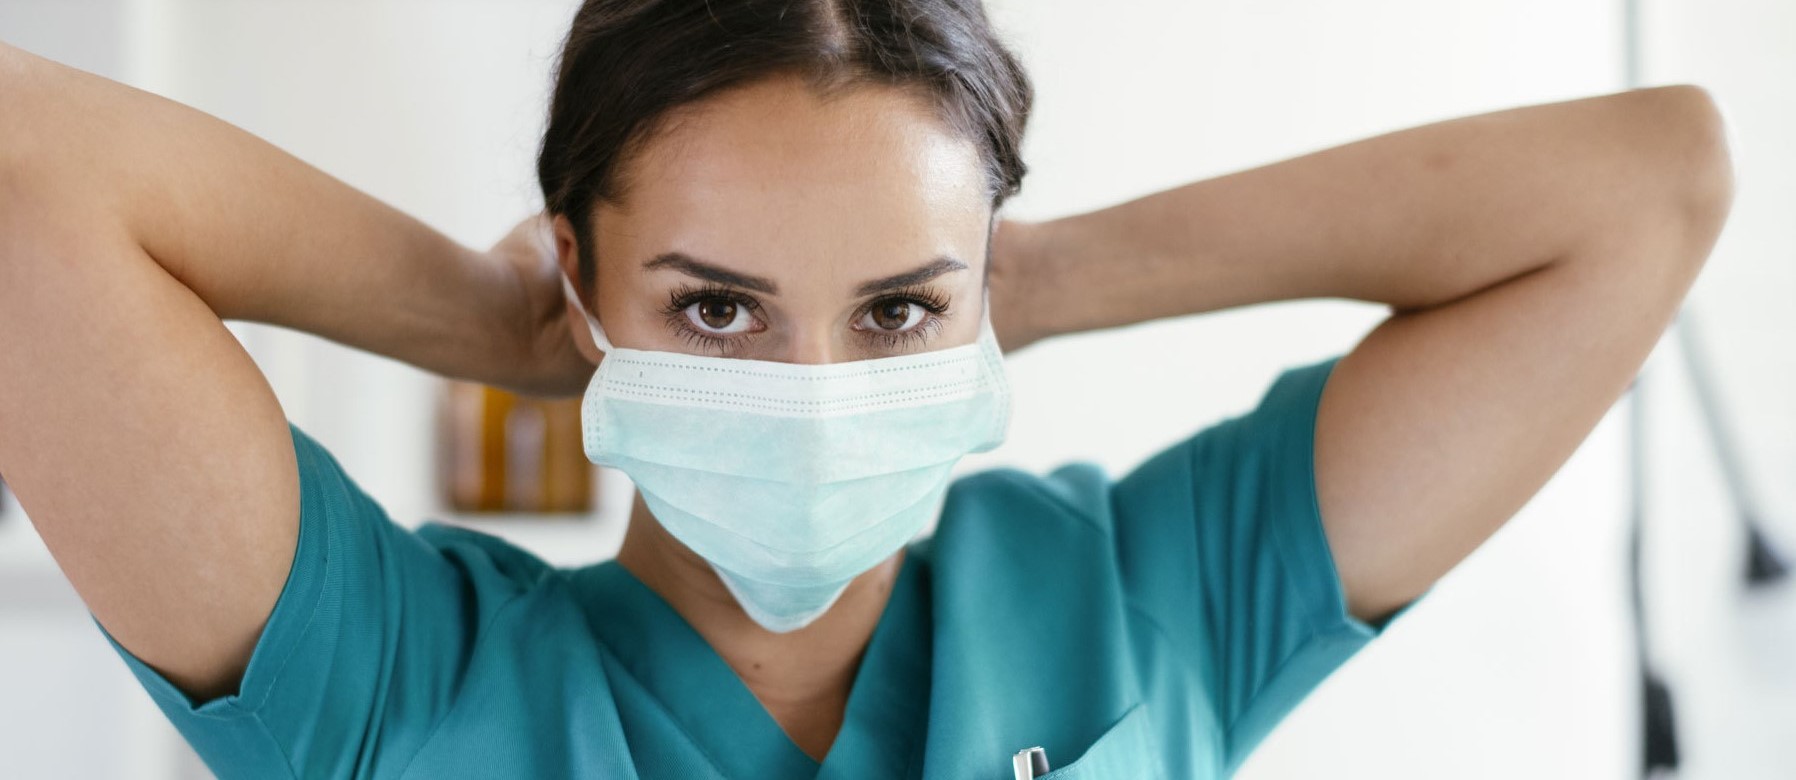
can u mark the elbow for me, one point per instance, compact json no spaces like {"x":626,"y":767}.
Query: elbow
{"x":1698,"y":155}
{"x":1678,"y":175}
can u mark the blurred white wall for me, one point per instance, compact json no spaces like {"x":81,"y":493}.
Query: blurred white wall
{"x":1517,"y":664}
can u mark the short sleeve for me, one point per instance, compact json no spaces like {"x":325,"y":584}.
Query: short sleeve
{"x":1221,"y":545}
{"x":360,"y":655}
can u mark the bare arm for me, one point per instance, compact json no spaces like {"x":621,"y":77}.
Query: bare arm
{"x":143,"y":443}
{"x":1532,"y":257}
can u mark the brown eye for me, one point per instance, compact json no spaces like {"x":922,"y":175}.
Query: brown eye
{"x":893,"y":315}
{"x":719,"y":315}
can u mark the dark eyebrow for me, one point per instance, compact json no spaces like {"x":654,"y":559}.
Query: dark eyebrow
{"x":692,"y":266}
{"x":918,"y":275}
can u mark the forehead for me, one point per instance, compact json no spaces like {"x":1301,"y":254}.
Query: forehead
{"x":772,"y":173}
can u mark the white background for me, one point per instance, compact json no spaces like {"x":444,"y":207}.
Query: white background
{"x":1518,"y":664}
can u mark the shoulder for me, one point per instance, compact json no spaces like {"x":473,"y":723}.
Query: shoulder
{"x":332,"y":495}
{"x":355,"y":536}
{"x":503,"y":557}
{"x":1075,"y":493}
{"x":1282,"y":421}
{"x":1006,"y":524}
{"x":1170,"y":528}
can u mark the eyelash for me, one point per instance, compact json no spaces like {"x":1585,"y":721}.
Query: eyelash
{"x":684,"y":296}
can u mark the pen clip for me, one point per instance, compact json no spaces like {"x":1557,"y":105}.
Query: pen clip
{"x":1029,"y":763}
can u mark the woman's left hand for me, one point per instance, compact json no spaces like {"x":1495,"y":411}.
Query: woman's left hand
{"x":1018,"y":277}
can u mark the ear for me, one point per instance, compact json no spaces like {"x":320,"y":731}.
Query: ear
{"x":567,"y":256}
{"x":567,"y":252}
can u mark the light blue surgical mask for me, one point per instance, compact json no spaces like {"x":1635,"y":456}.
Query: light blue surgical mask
{"x":792,"y":479}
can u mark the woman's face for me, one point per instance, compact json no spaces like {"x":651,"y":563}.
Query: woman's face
{"x":766,"y":223}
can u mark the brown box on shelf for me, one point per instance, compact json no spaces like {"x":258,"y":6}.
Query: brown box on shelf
{"x":501,"y":452}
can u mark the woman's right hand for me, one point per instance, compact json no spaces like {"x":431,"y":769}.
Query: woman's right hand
{"x":544,"y":360}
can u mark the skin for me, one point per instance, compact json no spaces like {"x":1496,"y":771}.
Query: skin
{"x":1530,"y":257}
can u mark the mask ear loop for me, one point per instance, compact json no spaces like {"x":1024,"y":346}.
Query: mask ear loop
{"x":592,"y":322}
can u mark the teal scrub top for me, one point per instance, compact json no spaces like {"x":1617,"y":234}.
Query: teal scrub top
{"x":1153,"y":626}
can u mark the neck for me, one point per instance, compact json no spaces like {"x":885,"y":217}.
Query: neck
{"x":801,"y":677}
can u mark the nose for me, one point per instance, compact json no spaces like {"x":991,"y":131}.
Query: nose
{"x":814,"y":347}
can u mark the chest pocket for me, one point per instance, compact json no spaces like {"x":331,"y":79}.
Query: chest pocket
{"x":1126,"y":749}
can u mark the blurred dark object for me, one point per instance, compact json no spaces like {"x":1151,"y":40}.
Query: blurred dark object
{"x":1658,"y":722}
{"x":1763,"y":565}
{"x":1661,"y":730}
{"x":501,"y":452}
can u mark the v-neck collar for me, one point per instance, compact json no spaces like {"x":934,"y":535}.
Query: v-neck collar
{"x":885,"y":721}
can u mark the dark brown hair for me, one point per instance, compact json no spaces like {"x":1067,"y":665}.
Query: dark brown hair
{"x":626,"y":63}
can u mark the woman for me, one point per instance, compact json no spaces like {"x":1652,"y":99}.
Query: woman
{"x":778,"y":224}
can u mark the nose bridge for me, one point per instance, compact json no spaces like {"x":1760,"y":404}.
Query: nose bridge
{"x":812,"y":325}
{"x":813,"y":343}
